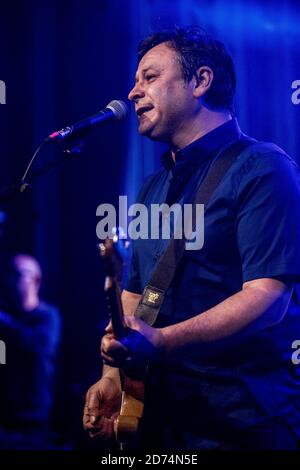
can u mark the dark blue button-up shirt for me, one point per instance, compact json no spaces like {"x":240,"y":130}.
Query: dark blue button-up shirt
{"x":251,"y":231}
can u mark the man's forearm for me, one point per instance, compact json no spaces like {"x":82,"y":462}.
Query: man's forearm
{"x":129,"y":304}
{"x":111,"y":373}
{"x":256,"y":306}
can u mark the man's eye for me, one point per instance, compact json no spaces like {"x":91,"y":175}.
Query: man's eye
{"x":150,"y":77}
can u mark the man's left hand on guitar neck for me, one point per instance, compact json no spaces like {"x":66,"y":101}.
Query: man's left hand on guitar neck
{"x":142,"y":345}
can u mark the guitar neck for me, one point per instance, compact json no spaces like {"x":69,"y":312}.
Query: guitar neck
{"x":115,"y":309}
{"x":132,"y":382}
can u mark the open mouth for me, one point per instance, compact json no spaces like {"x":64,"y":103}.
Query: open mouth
{"x":142,"y":110}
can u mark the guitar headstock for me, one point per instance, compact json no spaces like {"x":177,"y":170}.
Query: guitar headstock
{"x":111,"y":250}
{"x":115,"y":253}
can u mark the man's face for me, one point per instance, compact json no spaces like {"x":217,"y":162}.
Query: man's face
{"x":28,"y":273}
{"x":164,"y":102}
{"x":22,"y":281}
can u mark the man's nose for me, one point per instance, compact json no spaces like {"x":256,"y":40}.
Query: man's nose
{"x":136,"y":92}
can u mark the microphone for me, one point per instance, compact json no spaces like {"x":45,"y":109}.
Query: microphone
{"x":116,"y":110}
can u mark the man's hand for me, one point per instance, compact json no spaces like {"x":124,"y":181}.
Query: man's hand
{"x":143,"y":344}
{"x":102,"y":406}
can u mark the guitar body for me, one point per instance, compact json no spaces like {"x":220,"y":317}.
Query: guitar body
{"x":126,"y":425}
{"x":132,"y":380}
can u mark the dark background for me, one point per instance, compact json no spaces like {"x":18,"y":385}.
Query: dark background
{"x":64,"y":60}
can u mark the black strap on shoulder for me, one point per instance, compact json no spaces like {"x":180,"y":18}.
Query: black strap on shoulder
{"x":164,"y":271}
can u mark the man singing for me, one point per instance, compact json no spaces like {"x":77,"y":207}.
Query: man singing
{"x":220,"y":371}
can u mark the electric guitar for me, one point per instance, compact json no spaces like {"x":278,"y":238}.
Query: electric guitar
{"x":126,"y":425}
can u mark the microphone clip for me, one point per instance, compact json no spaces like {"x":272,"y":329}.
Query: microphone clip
{"x":73,"y":149}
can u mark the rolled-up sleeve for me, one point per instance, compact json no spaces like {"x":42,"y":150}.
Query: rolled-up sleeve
{"x":268,"y":220}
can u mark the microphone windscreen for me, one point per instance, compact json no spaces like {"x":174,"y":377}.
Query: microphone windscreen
{"x":119,"y":108}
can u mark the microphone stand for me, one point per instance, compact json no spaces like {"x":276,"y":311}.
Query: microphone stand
{"x":73,"y":149}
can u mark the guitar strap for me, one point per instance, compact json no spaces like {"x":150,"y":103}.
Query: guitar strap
{"x":164,"y":271}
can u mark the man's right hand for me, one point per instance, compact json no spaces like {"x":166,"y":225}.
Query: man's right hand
{"x":102,"y":406}
{"x":103,"y":399}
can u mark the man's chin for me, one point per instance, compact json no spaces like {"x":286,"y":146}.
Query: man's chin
{"x":151,"y":134}
{"x":149,"y":131}
{"x":146,"y":131}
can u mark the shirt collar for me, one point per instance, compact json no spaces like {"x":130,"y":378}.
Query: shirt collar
{"x":204,"y":147}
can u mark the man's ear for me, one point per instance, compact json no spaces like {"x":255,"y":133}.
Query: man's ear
{"x":203,"y":79}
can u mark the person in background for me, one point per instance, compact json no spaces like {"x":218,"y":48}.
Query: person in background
{"x":31,"y":331}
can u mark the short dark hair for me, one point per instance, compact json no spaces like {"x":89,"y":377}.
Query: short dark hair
{"x":196,"y":48}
